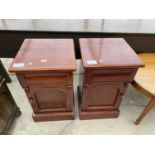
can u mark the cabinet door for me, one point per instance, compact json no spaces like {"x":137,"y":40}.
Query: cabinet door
{"x":47,"y":99}
{"x":102,"y":96}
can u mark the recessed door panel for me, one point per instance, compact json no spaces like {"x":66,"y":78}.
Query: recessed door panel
{"x":48,"y":99}
{"x":51,"y":98}
{"x":103,"y":96}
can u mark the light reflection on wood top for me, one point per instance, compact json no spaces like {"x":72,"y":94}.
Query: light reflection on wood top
{"x":45,"y":55}
{"x":108,"y":53}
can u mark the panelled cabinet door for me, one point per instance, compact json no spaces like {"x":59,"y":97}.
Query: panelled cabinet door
{"x":48,"y":99}
{"x":102,"y":96}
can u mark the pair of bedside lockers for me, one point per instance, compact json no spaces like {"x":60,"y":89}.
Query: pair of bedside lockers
{"x":44,"y":68}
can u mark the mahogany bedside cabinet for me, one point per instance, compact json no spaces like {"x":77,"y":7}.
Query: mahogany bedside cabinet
{"x":44,"y":68}
{"x":110,"y":64}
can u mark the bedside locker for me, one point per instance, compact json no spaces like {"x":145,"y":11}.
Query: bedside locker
{"x":45,"y":68}
{"x":110,"y":64}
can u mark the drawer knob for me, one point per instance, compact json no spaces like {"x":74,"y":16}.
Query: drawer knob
{"x":69,"y":87}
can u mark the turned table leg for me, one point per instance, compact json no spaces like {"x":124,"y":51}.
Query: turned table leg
{"x":145,"y":111}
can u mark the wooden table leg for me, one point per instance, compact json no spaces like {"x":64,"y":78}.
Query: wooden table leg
{"x":4,"y":73}
{"x":145,"y":111}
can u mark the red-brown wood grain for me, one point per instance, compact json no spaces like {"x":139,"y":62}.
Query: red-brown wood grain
{"x":45,"y":55}
{"x":47,"y":77}
{"x":105,"y":82}
{"x":108,"y":53}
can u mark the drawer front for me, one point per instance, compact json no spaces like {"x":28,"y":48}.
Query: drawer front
{"x":120,"y":75}
{"x":55,"y":78}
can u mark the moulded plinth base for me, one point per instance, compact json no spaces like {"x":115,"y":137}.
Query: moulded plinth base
{"x":98,"y":114}
{"x":56,"y":116}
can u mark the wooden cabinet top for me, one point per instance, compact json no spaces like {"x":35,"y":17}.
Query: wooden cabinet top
{"x":108,"y":53}
{"x":45,"y":55}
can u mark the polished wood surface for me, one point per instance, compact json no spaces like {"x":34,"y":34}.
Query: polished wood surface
{"x":48,"y":84}
{"x":104,"y":84}
{"x":45,"y":55}
{"x":144,"y":82}
{"x":108,"y":53}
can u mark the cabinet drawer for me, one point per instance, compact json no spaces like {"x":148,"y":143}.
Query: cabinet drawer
{"x":45,"y":78}
{"x":112,"y":75}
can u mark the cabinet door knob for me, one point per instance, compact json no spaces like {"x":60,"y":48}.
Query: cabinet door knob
{"x":125,"y":84}
{"x":69,"y":87}
{"x":121,"y":93}
{"x":26,"y":89}
{"x":31,"y":99}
